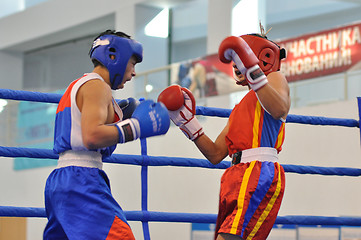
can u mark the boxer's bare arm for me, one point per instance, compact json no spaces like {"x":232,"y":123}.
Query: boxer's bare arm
{"x":216,"y":151}
{"x":94,"y":100}
{"x":275,"y":96}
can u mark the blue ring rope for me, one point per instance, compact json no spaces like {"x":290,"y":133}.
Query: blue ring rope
{"x":206,"y":111}
{"x":291,"y":118}
{"x":21,"y":95}
{"x":151,"y":216}
{"x":144,"y":160}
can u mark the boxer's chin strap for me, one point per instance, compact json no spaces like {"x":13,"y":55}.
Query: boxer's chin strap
{"x":282,"y":53}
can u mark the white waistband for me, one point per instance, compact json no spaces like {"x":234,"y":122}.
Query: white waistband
{"x":80,"y":159}
{"x":263,"y":154}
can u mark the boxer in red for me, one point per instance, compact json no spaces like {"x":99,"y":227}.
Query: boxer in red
{"x":252,"y":188}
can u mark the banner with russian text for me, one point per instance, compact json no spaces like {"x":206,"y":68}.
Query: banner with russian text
{"x":322,"y":53}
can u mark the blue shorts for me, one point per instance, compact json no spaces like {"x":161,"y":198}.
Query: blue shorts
{"x":79,"y":205}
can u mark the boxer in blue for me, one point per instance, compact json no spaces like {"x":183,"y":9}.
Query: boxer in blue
{"x":89,"y":123}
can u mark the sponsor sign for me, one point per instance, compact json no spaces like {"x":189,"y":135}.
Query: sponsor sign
{"x":322,"y":53}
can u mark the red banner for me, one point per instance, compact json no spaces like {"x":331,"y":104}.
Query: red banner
{"x":323,"y":53}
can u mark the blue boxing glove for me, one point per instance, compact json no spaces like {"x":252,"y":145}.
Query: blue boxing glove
{"x":149,"y":119}
{"x":153,"y":118}
{"x":128,"y":106}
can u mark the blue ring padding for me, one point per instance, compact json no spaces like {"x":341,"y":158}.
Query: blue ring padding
{"x":291,"y":118}
{"x":10,"y":211}
{"x":316,"y":120}
{"x":177,"y":162}
{"x":172,"y":217}
{"x":200,"y":110}
{"x":326,"y":171}
{"x":319,"y":220}
{"x":213,"y":112}
{"x":21,"y":95}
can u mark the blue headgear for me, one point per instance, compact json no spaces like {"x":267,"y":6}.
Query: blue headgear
{"x":122,"y":49}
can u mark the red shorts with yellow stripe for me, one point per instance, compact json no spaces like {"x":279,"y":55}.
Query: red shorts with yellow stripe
{"x":250,"y":197}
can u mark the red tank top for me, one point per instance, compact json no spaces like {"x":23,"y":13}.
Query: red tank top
{"x":250,"y":126}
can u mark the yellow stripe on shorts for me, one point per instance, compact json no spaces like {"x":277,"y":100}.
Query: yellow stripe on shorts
{"x":241,"y":196}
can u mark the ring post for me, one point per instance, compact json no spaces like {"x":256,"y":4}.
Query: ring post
{"x":144,"y":184}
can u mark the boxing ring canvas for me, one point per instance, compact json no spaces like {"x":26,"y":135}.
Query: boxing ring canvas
{"x":155,"y":174}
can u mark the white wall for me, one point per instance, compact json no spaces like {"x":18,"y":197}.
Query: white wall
{"x":11,"y":69}
{"x":52,"y":19}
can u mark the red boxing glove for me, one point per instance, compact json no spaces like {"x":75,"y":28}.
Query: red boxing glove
{"x":237,"y":50}
{"x":172,"y":97}
{"x":182,"y":109}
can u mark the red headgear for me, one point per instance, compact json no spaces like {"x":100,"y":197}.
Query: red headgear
{"x":268,"y":52}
